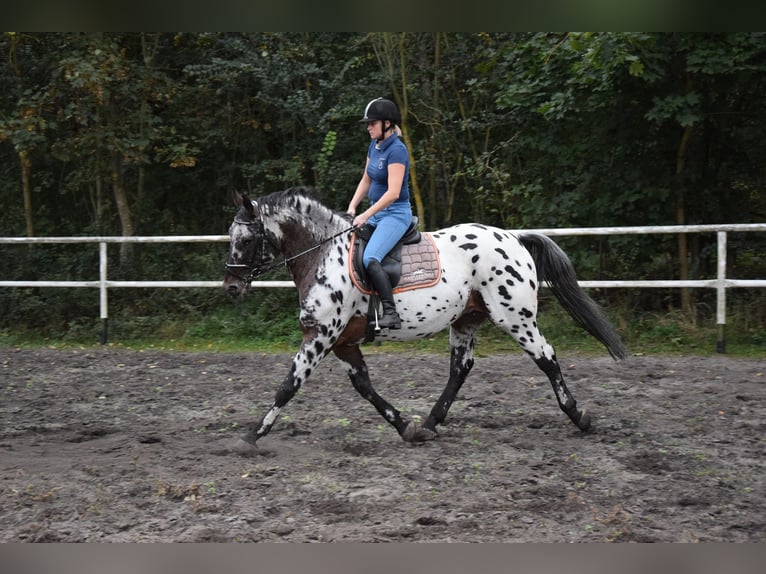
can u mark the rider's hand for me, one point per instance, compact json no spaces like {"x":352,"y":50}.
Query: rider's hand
{"x":360,"y":220}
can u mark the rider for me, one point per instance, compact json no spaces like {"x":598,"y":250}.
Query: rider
{"x":384,"y":181}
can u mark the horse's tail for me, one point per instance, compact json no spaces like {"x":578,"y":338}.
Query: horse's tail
{"x":555,"y":268}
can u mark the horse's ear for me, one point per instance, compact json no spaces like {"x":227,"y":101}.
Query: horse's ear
{"x":241,"y":200}
{"x":248,"y":205}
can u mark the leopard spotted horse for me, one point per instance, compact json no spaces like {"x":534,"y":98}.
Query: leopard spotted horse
{"x":485,"y":273}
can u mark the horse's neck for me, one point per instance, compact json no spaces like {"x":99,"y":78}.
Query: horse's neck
{"x":300,"y":241}
{"x":298,"y":232}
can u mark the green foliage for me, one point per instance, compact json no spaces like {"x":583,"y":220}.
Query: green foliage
{"x":324,"y":157}
{"x":151,"y":133}
{"x":268,"y":322}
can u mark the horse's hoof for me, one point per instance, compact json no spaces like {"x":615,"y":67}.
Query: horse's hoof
{"x":415,"y":433}
{"x":423,"y":434}
{"x":584,"y":423}
{"x":244,"y":448}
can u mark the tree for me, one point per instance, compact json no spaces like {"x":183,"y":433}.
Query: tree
{"x":23,"y":123}
{"x":152,"y":133}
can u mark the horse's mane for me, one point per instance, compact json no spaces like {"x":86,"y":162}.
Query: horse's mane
{"x":291,"y":197}
{"x":302,"y":203}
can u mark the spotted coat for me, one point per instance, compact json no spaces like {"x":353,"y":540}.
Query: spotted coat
{"x":487,"y":273}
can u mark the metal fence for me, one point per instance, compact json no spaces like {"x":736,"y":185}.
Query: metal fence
{"x":720,"y":283}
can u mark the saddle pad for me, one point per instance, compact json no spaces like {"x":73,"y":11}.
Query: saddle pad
{"x":420,"y":266}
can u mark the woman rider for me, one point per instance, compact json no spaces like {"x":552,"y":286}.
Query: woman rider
{"x":384,"y":182}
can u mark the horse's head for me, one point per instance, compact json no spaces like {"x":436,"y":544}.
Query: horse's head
{"x":250,"y":251}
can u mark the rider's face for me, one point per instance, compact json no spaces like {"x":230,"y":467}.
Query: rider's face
{"x":375,"y":129}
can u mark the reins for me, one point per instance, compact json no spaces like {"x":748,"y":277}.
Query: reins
{"x":287,"y":260}
{"x":253,"y":274}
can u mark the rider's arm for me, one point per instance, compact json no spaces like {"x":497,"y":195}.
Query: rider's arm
{"x":361,"y":190}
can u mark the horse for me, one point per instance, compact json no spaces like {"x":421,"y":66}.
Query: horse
{"x":486,"y":273}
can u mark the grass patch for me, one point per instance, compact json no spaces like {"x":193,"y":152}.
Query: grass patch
{"x":258,"y":328}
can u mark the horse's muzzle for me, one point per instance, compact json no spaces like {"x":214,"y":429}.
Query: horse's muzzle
{"x":235,"y":286}
{"x":236,"y":281}
{"x":233,"y":289}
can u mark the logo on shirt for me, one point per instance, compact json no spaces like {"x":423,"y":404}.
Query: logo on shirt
{"x":380,"y":163}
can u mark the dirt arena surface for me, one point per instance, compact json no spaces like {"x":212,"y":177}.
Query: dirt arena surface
{"x":129,"y":446}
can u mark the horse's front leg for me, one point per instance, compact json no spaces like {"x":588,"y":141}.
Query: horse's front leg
{"x":285,"y":392}
{"x":312,"y":351}
{"x":360,"y":378}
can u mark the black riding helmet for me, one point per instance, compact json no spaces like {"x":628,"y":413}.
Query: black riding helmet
{"x":382,"y":109}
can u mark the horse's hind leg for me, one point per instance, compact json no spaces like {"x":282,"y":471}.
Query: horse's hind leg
{"x":461,"y":363}
{"x":550,"y":366}
{"x":534,"y":344}
{"x":360,"y":378}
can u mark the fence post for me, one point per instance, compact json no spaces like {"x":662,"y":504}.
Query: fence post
{"x":720,"y":346}
{"x":103,"y":303}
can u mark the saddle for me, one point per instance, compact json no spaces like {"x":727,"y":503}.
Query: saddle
{"x":412,"y":263}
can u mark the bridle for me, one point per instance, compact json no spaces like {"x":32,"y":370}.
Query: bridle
{"x":246,"y":273}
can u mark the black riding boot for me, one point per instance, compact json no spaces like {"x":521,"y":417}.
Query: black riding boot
{"x":382,"y":285}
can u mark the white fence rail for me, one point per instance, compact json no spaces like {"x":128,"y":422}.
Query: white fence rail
{"x":720,"y":283}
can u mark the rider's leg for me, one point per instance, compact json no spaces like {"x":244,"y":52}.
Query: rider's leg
{"x":382,"y":284}
{"x":388,"y":231}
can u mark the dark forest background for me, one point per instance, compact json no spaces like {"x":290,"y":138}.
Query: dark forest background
{"x":152,"y":133}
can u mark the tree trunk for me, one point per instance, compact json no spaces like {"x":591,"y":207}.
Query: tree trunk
{"x":683,"y":249}
{"x":384,"y":49}
{"x":99,"y":202}
{"x":149,"y":46}
{"x":123,"y":207}
{"x":415,"y":187}
{"x":403,"y":104}
{"x":432,"y":152}
{"x":26,"y":188}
